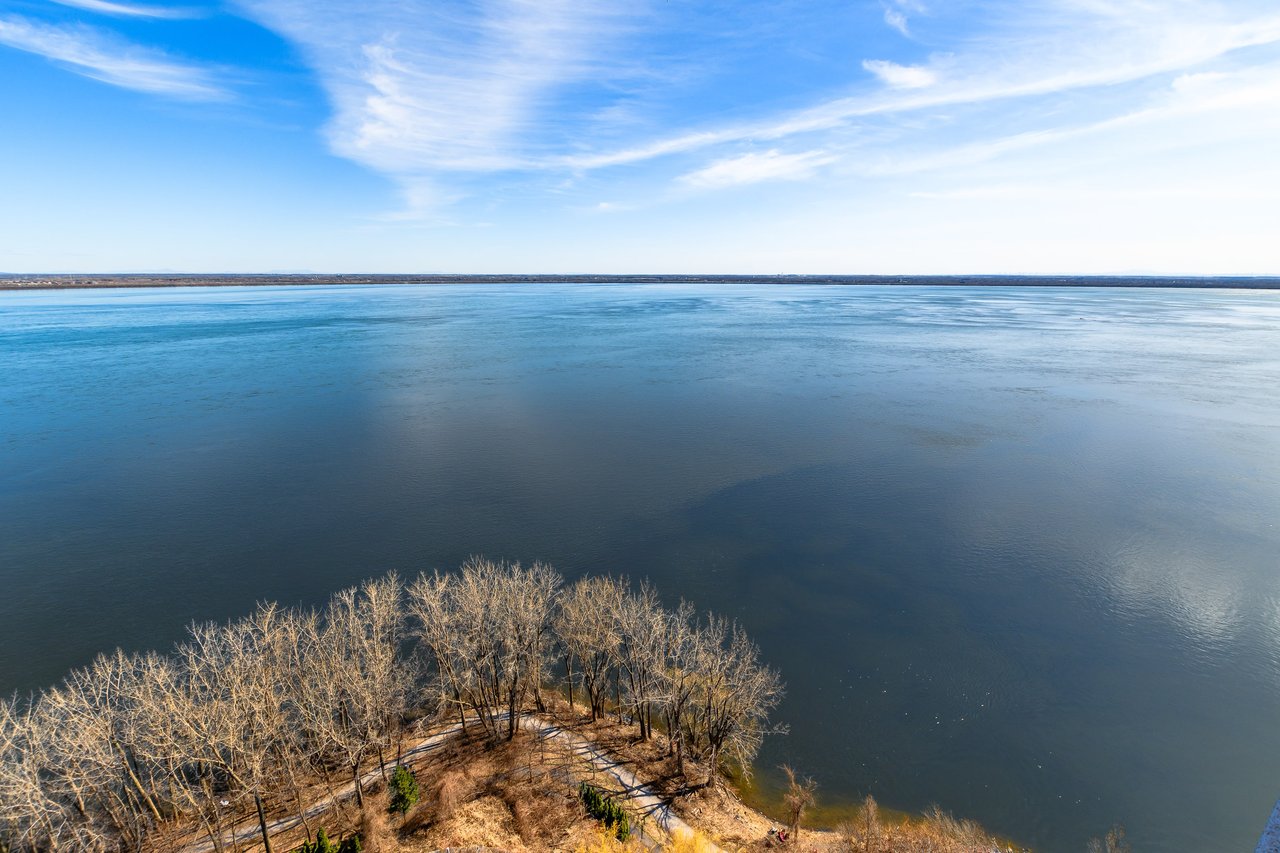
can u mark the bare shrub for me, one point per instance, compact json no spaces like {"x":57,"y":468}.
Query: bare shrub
{"x":799,"y":797}
{"x":869,"y":824}
{"x":946,"y":834}
{"x":1113,"y":842}
{"x":848,"y":832}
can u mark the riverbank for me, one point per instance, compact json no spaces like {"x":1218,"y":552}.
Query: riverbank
{"x":86,"y":281}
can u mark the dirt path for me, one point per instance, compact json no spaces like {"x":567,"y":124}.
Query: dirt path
{"x":638,"y":797}
{"x":249,"y":830}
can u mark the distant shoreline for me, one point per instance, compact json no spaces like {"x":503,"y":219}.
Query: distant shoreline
{"x":75,"y":282}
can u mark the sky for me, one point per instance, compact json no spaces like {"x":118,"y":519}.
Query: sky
{"x":662,"y":136}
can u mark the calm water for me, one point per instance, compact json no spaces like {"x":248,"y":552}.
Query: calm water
{"x":1015,"y":551}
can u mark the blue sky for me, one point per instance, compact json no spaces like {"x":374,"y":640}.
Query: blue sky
{"x":757,"y":136}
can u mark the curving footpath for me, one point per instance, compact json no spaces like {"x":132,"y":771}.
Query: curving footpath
{"x":638,"y":796}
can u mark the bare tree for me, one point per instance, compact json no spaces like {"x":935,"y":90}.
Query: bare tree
{"x":587,"y":628}
{"x":242,"y":717}
{"x":233,"y":716}
{"x":375,"y":679}
{"x":168,"y":734}
{"x":93,"y":762}
{"x":296,"y":753}
{"x":475,"y":606}
{"x":797,"y":799}
{"x":358,"y":688}
{"x":507,"y":608}
{"x":447,"y":649}
{"x":680,"y":677}
{"x":738,"y":692}
{"x":12,"y":779}
{"x":643,"y":625}
{"x":29,"y":818}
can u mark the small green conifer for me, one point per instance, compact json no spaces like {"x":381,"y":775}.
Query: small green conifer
{"x":404,"y":790}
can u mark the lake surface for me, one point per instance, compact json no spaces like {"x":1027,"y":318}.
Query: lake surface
{"x":1014,"y":551}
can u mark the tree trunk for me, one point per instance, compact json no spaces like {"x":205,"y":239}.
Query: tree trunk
{"x":355,"y":776}
{"x":137,"y":783}
{"x":213,"y":828}
{"x":262,"y":823}
{"x":568,"y":674}
{"x":302,"y":810}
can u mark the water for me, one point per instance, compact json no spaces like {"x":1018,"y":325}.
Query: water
{"x":1015,"y":551}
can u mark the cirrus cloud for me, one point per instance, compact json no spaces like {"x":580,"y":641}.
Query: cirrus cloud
{"x":130,"y":10}
{"x":103,"y":56}
{"x":901,"y":76}
{"x":752,"y":168}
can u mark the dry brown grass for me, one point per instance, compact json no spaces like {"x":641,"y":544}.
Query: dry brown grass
{"x":933,"y":832}
{"x":690,"y":842}
{"x":513,"y":796}
{"x":441,"y":800}
{"x":482,"y":822}
{"x":724,"y":820}
{"x":376,"y":836}
{"x":600,"y":841}
{"x":522,"y":796}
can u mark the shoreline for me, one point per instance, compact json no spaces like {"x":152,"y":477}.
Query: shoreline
{"x":22,"y":282}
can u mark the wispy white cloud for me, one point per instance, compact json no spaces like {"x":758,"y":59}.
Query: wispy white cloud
{"x":752,"y":168}
{"x":103,"y":56}
{"x":901,"y":76}
{"x":895,"y":14}
{"x":1194,"y":191}
{"x":612,"y":207}
{"x":895,"y":19}
{"x":428,"y":88}
{"x":424,"y":200}
{"x":439,"y":95}
{"x":674,"y":145}
{"x":1063,"y":46}
{"x":1252,"y":98}
{"x":131,"y":10}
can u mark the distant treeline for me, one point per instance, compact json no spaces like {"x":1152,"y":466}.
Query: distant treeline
{"x":60,"y":281}
{"x":253,"y":712}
